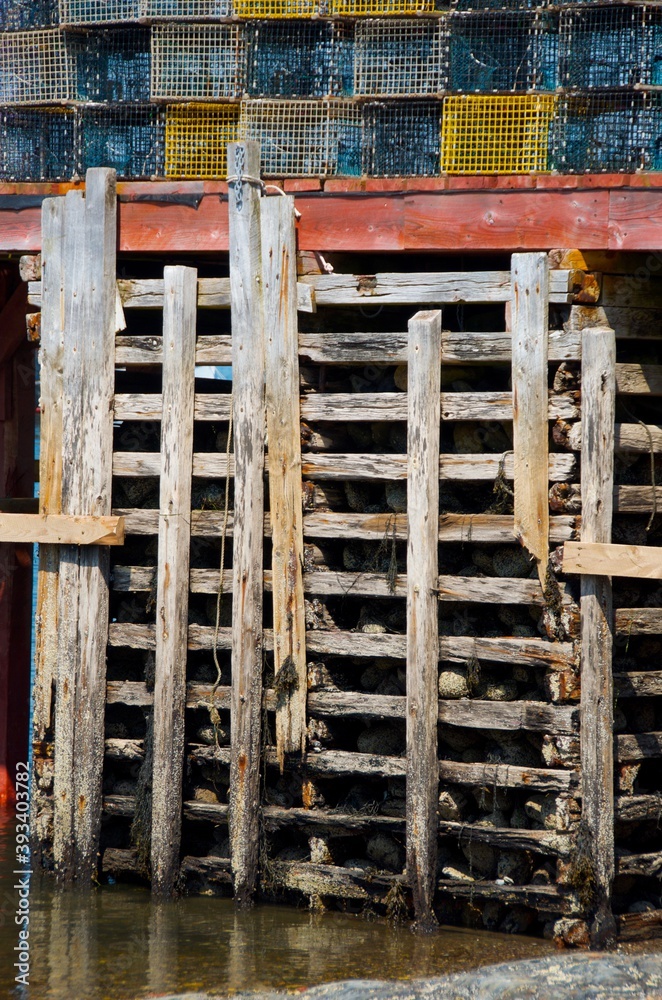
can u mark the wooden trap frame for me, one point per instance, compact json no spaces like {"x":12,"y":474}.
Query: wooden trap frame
{"x":280,"y":659}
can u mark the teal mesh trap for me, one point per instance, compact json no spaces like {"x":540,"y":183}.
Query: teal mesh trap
{"x":401,"y":138}
{"x":37,"y":144}
{"x":502,"y":52}
{"x":129,"y":138}
{"x":299,"y":58}
{"x":112,"y":65}
{"x":611,"y":46}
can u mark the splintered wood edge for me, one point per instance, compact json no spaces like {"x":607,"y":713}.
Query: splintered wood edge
{"x":62,"y":529}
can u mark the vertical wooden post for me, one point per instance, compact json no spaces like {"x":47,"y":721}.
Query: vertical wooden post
{"x":50,"y":460}
{"x":530,"y":323}
{"x":87,"y":452}
{"x":246,"y":297}
{"x":180,"y":294}
{"x":424,"y":416}
{"x":597,"y":742}
{"x":284,"y":464}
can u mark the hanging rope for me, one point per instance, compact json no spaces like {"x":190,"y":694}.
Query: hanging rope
{"x":652,"y":458}
{"x":214,"y":716}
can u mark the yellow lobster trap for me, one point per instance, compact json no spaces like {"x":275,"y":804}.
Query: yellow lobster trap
{"x":496,"y":135}
{"x":196,"y":138}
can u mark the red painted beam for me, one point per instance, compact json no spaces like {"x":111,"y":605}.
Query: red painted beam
{"x":602,"y":212}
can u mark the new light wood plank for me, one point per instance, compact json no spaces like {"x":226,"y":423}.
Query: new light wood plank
{"x":604,"y":559}
{"x":597,"y":743}
{"x":246,"y":289}
{"x":423,"y":420}
{"x":284,"y":467}
{"x":179,"y":319}
{"x":61,"y":529}
{"x":531,"y":459}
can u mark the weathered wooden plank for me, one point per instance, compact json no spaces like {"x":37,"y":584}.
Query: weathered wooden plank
{"x":50,"y":466}
{"x":636,"y":499}
{"x":458,"y":649}
{"x":456,"y":347}
{"x":432,"y":288}
{"x":638,"y":621}
{"x":284,"y":467}
{"x":246,"y":289}
{"x":637,"y":746}
{"x":636,"y":380}
{"x":337,"y":762}
{"x":61,"y":529}
{"x":370,"y":406}
{"x":369,"y":466}
{"x":546,"y":898}
{"x":69,"y":303}
{"x":627,"y":438}
{"x":605,"y":559}
{"x":637,"y":808}
{"x":423,"y":421}
{"x":179,"y":319}
{"x":597,"y":745}
{"x":531,"y":458}
{"x":638,"y":683}
{"x":640,"y":926}
{"x":531,"y":716}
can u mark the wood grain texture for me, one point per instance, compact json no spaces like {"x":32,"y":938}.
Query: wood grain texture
{"x":61,"y":529}
{"x":423,"y":428}
{"x":284,"y":468}
{"x":246,"y":289}
{"x":369,"y":406}
{"x":531,"y":458}
{"x":597,"y":743}
{"x":604,"y":559}
{"x":172,"y":588}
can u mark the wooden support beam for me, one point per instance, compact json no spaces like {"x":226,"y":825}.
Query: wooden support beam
{"x":530,"y":321}
{"x":246,"y":287}
{"x":87,"y":442}
{"x":50,"y":490}
{"x":61,"y":529}
{"x":284,"y":467}
{"x":179,"y":320}
{"x":605,"y":559}
{"x":597,"y":702}
{"x":423,"y":423}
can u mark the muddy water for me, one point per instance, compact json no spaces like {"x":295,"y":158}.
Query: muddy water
{"x":114,"y":943}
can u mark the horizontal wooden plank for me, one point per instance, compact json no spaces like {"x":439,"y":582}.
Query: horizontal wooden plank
{"x":638,"y":621}
{"x":639,"y":926}
{"x":638,"y":684}
{"x":638,"y":808}
{"x":62,"y":529}
{"x":636,"y":499}
{"x":603,"y":559}
{"x":329,"y":583}
{"x":637,"y":380}
{"x":387,"y":406}
{"x":646,"y":865}
{"x":517,"y":715}
{"x":424,"y":289}
{"x":637,"y":746}
{"x":454,"y":468}
{"x":458,"y":649}
{"x":546,"y":898}
{"x":627,"y":438}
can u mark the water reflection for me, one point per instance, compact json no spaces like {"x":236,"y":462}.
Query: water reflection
{"x":115,"y":943}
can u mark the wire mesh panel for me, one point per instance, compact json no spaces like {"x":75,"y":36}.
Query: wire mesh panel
{"x":20,"y":15}
{"x":112,"y":65}
{"x":491,"y":52}
{"x":197,"y":61}
{"x":37,"y":144}
{"x":304,"y":138}
{"x":99,"y":11}
{"x":496,"y":135}
{"x":401,"y":139}
{"x":606,"y":132}
{"x":400,"y":57}
{"x":299,"y":59}
{"x":35,"y":68}
{"x":128,"y":138}
{"x":379,"y":8}
{"x":464,"y":5}
{"x":180,"y":9}
{"x":611,"y":46}
{"x":276,"y":8}
{"x":196,"y":138}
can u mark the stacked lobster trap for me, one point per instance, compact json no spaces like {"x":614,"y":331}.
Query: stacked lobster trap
{"x":461,"y":87}
{"x":388,"y":716}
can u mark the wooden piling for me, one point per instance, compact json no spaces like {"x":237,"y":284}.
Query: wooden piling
{"x":87,"y":448}
{"x":284,"y":466}
{"x":424,"y":416}
{"x":530,"y":324}
{"x":246,"y":294}
{"x":179,"y":326}
{"x":597,"y":743}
